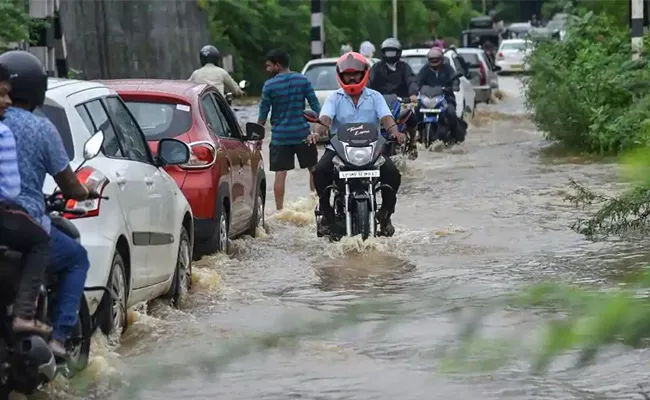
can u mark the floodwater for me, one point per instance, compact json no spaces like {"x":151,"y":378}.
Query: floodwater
{"x":273,"y":319}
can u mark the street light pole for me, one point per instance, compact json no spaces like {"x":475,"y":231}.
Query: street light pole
{"x":636,"y":27}
{"x":395,"y":19}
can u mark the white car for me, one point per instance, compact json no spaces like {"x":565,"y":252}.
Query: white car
{"x":321,"y":72}
{"x":139,"y":240}
{"x":512,"y":53}
{"x":465,"y":96}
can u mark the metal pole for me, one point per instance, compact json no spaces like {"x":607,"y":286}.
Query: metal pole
{"x":484,"y":7}
{"x":317,"y":29}
{"x":636,"y":27}
{"x":395,"y":19}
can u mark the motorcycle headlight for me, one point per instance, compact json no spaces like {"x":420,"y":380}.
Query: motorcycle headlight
{"x":359,"y":155}
{"x":428,"y":102}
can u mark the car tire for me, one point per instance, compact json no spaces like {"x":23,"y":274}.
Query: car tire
{"x":257,"y":219}
{"x":182,"y":281}
{"x":117,"y":283}
{"x":220,"y":238}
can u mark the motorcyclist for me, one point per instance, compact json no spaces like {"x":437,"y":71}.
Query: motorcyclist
{"x":212,"y":73}
{"x":367,"y":49}
{"x":438,"y":73}
{"x":346,"y":47}
{"x":393,"y":76}
{"x":353,"y":103}
{"x":40,"y":152}
{"x":461,"y":60}
{"x":18,"y":230}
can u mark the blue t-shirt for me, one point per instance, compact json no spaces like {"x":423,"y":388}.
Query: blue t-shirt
{"x":370,"y":108}
{"x":40,"y":152}
{"x":284,"y":95}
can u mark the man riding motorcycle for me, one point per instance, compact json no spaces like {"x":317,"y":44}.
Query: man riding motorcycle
{"x":438,"y":73}
{"x":355,"y":103}
{"x":212,"y":73}
{"x":393,"y":76}
{"x":41,"y":152}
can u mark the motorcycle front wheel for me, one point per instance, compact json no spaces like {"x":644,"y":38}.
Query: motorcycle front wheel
{"x":362,"y":220}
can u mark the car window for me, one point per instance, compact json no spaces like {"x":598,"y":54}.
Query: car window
{"x":229,"y":121}
{"x":470,"y":58}
{"x":160,"y":120}
{"x":322,"y":76}
{"x":513,"y":46}
{"x":102,"y":123}
{"x":416,"y":62}
{"x":213,"y":116}
{"x":85,"y":117}
{"x":133,"y":142}
{"x":59,"y":119}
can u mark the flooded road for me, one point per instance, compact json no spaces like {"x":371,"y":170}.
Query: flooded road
{"x":472,"y":223}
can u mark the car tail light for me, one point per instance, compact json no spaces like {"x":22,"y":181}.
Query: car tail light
{"x":95,"y":181}
{"x":202,"y":155}
{"x":500,"y":55}
{"x":483,"y":74}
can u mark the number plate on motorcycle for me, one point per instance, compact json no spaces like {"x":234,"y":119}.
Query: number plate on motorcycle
{"x":430,"y":110}
{"x":359,"y":174}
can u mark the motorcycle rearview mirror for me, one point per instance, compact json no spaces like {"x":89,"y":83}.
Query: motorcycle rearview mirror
{"x":229,"y":98}
{"x":311,"y":116}
{"x":404,"y":116}
{"x":457,"y":76}
{"x":244,"y":84}
{"x":93,"y":145}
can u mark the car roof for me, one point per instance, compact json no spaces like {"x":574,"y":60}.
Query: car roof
{"x":156,"y":87}
{"x":514,"y":41}
{"x":415,"y":52}
{"x":60,"y":88}
{"x":330,"y":60}
{"x":469,"y":50}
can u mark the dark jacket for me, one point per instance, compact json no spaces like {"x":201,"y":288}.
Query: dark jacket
{"x":429,"y":77}
{"x":400,"y":82}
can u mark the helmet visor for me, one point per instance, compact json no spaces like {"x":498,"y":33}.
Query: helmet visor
{"x":390,"y":53}
{"x":351,"y":64}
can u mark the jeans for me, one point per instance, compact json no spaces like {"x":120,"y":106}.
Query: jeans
{"x":324,"y":176}
{"x":69,"y":260}
{"x":20,"y":232}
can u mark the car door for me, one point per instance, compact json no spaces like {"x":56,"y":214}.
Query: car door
{"x":161,"y":257}
{"x":222,"y":134}
{"x":493,"y":79}
{"x":245,"y":155}
{"x":133,"y":194}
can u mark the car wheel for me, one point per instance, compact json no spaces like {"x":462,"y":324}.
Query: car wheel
{"x":182,"y":282}
{"x":221,"y":232}
{"x":117,"y":283}
{"x":257,"y":220}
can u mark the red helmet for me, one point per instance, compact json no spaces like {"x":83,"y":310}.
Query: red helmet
{"x":352,"y":62}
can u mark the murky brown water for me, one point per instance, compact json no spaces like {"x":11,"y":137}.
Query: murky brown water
{"x":472,"y":223}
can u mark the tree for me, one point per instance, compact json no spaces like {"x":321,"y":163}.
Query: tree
{"x":14,"y":23}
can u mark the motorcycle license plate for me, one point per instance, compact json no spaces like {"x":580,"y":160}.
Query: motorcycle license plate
{"x":359,"y":174}
{"x":430,"y":110}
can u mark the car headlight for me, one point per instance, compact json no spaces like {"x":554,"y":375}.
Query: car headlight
{"x":359,"y":155}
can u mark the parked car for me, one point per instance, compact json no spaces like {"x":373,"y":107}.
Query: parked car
{"x":465,"y":97}
{"x":139,"y":241}
{"x":321,"y":72}
{"x":483,"y":75}
{"x":512,"y":54}
{"x":224,"y":180}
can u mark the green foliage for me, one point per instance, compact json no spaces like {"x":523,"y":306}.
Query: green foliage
{"x":14,"y":23}
{"x":586,"y":91}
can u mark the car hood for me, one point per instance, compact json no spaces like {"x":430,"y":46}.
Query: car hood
{"x":322,"y":95}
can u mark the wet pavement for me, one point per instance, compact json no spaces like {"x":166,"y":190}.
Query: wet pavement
{"x":473,"y":222}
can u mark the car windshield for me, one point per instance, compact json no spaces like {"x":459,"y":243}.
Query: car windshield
{"x":322,"y":76}
{"x":160,"y":120}
{"x":513,"y":46}
{"x":470,"y":58}
{"x":59,"y":119}
{"x":416,"y":62}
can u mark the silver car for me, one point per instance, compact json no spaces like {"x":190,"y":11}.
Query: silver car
{"x":483,"y":75}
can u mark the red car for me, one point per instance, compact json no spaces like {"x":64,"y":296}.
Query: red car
{"x":224,"y":181}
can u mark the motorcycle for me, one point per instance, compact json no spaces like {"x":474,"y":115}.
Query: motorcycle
{"x":242,"y":85}
{"x":432,"y":104}
{"x":18,"y":372}
{"x":392,"y":148}
{"x":359,"y":149}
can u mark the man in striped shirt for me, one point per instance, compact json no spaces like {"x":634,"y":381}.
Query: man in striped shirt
{"x":284,"y":95}
{"x":17,"y":229}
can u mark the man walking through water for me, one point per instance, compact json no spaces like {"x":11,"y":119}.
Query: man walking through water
{"x":284,"y":95}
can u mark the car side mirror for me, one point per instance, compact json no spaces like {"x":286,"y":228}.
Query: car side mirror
{"x":93,"y":145}
{"x":229,"y":98}
{"x":254,"y":131}
{"x":244,"y":84}
{"x":172,"y":152}
{"x":310,"y":116}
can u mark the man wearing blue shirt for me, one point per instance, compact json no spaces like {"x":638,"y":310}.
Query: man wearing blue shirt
{"x":18,"y":230}
{"x":355,"y":103}
{"x":284,"y":95}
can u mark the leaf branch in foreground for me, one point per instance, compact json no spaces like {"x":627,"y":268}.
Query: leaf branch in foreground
{"x":627,"y":213}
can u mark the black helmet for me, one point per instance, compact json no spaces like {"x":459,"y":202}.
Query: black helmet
{"x":35,"y":363}
{"x":27,"y":77}
{"x":210,"y":54}
{"x":391,"y":50}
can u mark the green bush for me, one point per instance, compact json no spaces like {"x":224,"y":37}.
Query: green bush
{"x":586,"y":91}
